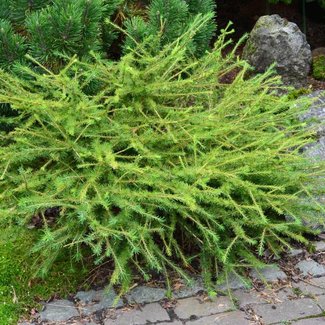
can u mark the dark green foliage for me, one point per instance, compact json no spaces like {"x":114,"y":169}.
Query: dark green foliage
{"x":170,"y":19}
{"x":319,"y":67}
{"x":12,"y":46}
{"x":4,"y":9}
{"x":163,"y":166}
{"x":54,"y":29}
{"x":19,"y":9}
{"x":65,"y":28}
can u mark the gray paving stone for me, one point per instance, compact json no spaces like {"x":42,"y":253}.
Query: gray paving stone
{"x":310,"y":321}
{"x":148,"y":313}
{"x":231,"y":318}
{"x":189,"y":307}
{"x":189,"y":290}
{"x":245,"y":297}
{"x":311,"y":267}
{"x":320,"y":300}
{"x":59,"y":310}
{"x":287,"y":311}
{"x":92,"y":301}
{"x":295,"y":252}
{"x":175,"y":322}
{"x":319,"y":246}
{"x":234,"y":282}
{"x":143,"y":294}
{"x":269,"y":273}
{"x":313,"y":287}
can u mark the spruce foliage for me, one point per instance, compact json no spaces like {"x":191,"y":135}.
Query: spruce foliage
{"x":162,"y":166}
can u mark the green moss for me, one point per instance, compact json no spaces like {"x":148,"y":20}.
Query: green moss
{"x":319,"y":67}
{"x":296,"y":93}
{"x":19,"y":288}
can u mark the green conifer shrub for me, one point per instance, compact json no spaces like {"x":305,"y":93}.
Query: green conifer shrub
{"x":51,"y":30}
{"x":164,"y":165}
{"x":170,"y":19}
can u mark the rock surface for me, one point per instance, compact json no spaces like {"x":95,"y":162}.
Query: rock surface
{"x":317,"y":111}
{"x":59,"y":310}
{"x":270,"y":274}
{"x":287,"y":311}
{"x":311,"y":267}
{"x":93,"y":301}
{"x":315,"y":117}
{"x":144,"y":294}
{"x":276,"y":40}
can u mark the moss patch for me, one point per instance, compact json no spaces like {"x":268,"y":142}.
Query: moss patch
{"x":20,"y":290}
{"x":319,"y":67}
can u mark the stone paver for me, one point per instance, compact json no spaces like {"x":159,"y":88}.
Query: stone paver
{"x":189,"y":307}
{"x":59,"y":310}
{"x":313,"y":287}
{"x":189,"y":290}
{"x":144,"y":294}
{"x":175,"y":322}
{"x":231,"y":318}
{"x":245,"y":298}
{"x":319,"y":246}
{"x":269,"y":273}
{"x":311,"y":267}
{"x":320,"y":300}
{"x":234,"y":282}
{"x":288,"y":310}
{"x":310,"y":321}
{"x":295,"y":252}
{"x":93,"y":301}
{"x":148,"y":313}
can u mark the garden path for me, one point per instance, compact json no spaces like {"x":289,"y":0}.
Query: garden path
{"x":291,"y":292}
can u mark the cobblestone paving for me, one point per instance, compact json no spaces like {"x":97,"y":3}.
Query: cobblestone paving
{"x":277,"y":297}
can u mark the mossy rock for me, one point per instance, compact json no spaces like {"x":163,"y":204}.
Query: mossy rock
{"x":20,"y":290}
{"x":319,"y":67}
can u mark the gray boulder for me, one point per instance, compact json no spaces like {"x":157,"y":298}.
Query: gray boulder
{"x":276,"y":40}
{"x":316,"y":152}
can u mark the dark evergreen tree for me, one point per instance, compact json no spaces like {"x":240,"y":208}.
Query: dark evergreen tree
{"x":50,"y":30}
{"x":171,"y":18}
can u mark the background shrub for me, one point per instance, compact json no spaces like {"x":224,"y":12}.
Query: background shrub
{"x":163,"y":166}
{"x":51,"y":30}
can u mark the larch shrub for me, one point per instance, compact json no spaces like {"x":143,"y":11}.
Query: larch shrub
{"x":155,"y":162}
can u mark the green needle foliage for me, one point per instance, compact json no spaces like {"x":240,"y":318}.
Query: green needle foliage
{"x":52,"y":30}
{"x":162,"y":166}
{"x":170,"y":19}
